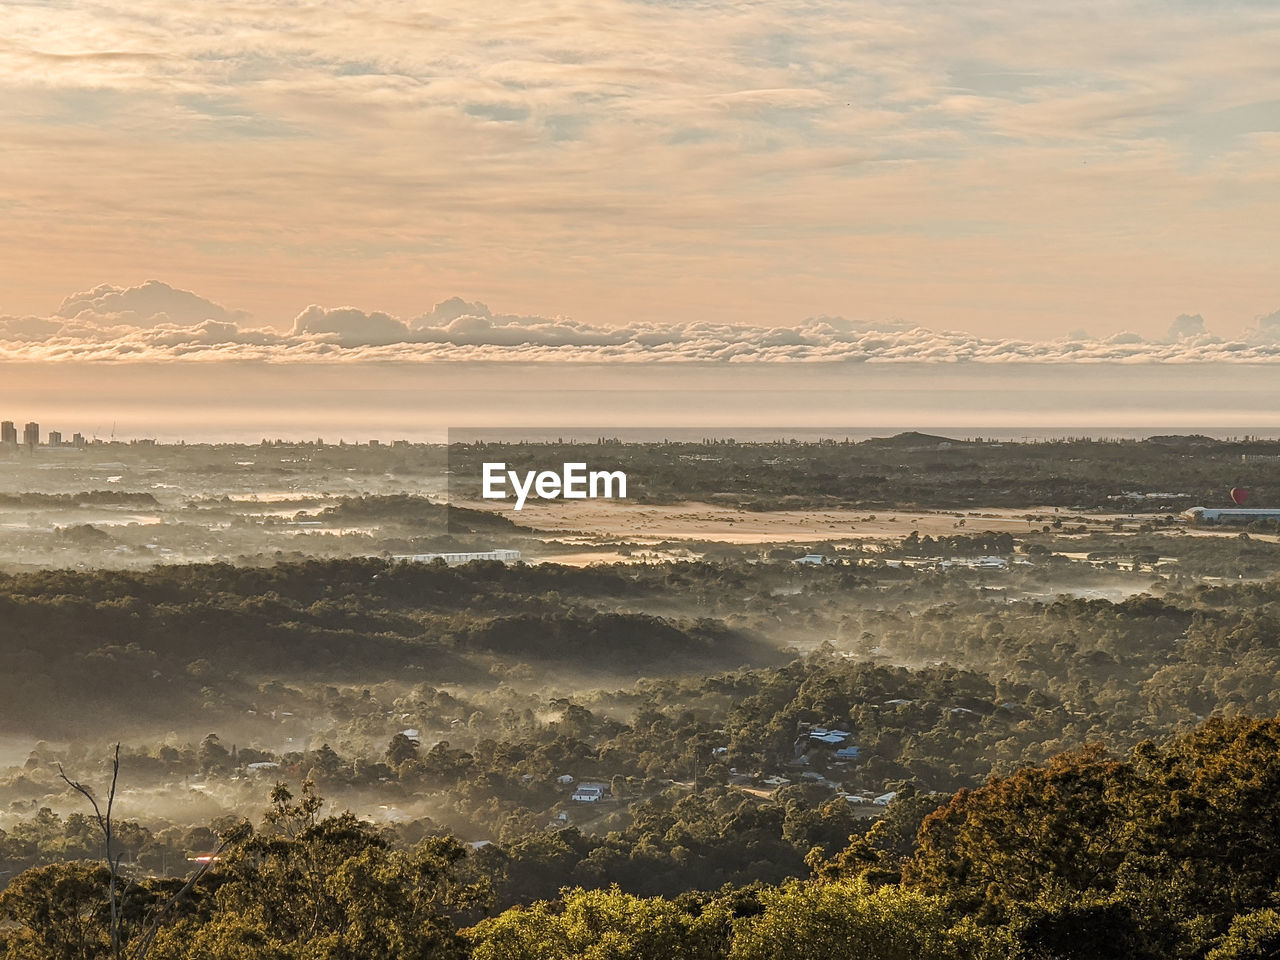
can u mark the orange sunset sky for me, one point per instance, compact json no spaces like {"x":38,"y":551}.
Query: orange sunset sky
{"x":1014,"y":170}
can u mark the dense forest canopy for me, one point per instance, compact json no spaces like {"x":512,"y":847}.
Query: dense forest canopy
{"x":1037,"y":735}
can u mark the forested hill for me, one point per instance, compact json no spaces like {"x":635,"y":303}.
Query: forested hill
{"x":132,"y":647}
{"x":1165,"y":854}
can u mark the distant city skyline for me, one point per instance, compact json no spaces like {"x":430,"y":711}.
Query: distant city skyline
{"x":1017,"y":171}
{"x":31,"y":436}
{"x":421,"y":402}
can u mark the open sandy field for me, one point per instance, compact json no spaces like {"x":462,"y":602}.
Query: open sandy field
{"x":642,"y":523}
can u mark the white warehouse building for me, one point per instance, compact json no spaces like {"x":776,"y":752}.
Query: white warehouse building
{"x":1230,"y":514}
{"x":453,"y":559}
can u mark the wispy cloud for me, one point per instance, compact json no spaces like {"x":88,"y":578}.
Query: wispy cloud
{"x":989,"y":165}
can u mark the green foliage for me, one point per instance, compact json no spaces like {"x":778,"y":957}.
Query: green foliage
{"x":1161,"y":851}
{"x":847,"y":919}
{"x":58,"y":912}
{"x":603,"y":925}
{"x":1253,"y":936}
{"x":331,"y":887}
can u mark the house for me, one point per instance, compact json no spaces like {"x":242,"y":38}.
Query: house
{"x":590,"y":792}
{"x":848,"y":753}
{"x":884,"y":799}
{"x":832,"y":737}
{"x":564,"y":779}
{"x":776,"y":782}
{"x":812,"y":559}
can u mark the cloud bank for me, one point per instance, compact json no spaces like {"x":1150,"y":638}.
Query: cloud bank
{"x":156,"y":322}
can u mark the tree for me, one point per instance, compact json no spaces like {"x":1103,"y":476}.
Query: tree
{"x":401,"y":750}
{"x":1252,"y":936}
{"x":58,"y":912}
{"x":104,"y":819}
{"x":214,"y":757}
{"x":307,"y":886}
{"x":603,"y":923}
{"x":846,"y":919}
{"x":1042,"y":830}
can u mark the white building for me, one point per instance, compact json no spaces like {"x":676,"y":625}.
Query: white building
{"x":1230,"y":514}
{"x":590,"y":792}
{"x":453,"y":559}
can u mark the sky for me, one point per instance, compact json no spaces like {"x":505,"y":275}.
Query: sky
{"x":1018,"y":172}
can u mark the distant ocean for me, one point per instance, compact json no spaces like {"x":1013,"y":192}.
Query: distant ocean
{"x":203,"y":401}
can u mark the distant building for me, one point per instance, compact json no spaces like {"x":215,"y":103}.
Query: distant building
{"x":55,"y":438}
{"x":823,"y":735}
{"x":8,"y":434}
{"x":812,"y":559}
{"x":78,"y":439}
{"x":590,"y":792}
{"x":1230,"y":514}
{"x":453,"y":559}
{"x":31,"y":434}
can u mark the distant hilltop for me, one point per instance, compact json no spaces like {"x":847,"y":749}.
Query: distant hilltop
{"x":914,"y":440}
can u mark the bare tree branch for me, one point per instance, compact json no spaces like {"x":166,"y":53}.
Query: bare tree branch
{"x":153,"y":927}
{"x":105,"y":825}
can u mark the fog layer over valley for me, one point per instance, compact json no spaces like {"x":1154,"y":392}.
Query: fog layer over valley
{"x":773,"y":677}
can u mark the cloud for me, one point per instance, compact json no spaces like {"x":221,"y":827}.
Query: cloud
{"x":113,"y":323}
{"x":28,"y":329}
{"x":148,"y":304}
{"x":1186,"y":325}
{"x":449,"y":310}
{"x":349,"y":326}
{"x":1124,"y":338}
{"x":1266,"y":329}
{"x":721,"y":158}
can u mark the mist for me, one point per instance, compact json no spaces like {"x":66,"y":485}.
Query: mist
{"x":244,"y":402}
